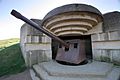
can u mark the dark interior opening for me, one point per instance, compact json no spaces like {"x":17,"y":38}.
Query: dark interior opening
{"x":88,"y":47}
{"x":71,"y":64}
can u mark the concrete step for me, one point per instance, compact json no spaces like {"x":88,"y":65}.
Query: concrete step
{"x":114,"y":74}
{"x":43,"y":75}
{"x":33,"y":75}
{"x":94,"y":69}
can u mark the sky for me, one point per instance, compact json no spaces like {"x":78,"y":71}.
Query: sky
{"x":10,"y":26}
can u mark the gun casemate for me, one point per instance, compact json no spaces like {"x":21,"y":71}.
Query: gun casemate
{"x":66,"y":30}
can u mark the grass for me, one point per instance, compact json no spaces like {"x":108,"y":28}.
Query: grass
{"x":11,"y":60}
{"x":8,"y":42}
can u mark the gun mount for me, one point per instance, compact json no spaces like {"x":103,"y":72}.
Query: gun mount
{"x":69,"y":51}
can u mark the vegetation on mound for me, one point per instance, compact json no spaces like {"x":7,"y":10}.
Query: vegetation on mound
{"x":11,"y":59}
{"x":8,"y":42}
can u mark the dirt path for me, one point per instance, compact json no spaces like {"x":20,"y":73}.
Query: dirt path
{"x":20,"y":76}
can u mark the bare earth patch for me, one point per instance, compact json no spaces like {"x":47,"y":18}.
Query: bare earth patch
{"x":20,"y":76}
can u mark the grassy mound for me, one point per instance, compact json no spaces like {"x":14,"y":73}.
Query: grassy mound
{"x":11,"y":60}
{"x":8,"y":42}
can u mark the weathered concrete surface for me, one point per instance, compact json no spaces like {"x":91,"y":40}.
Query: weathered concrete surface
{"x":38,"y":56}
{"x":33,"y":75}
{"x":72,"y":8}
{"x":38,"y":46}
{"x":91,"y":71}
{"x":96,"y":29}
{"x":106,"y":46}
{"x":111,"y":21}
{"x":35,"y":46}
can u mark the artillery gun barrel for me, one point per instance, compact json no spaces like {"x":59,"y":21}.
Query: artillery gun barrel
{"x":36,"y":26}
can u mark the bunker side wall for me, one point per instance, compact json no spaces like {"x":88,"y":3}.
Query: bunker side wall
{"x":106,"y":46}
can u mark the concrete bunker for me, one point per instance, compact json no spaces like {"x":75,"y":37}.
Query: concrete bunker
{"x":72,"y":21}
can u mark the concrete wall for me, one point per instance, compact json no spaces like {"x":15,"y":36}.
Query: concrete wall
{"x":23,"y":40}
{"x":106,"y":46}
{"x":36,"y":51}
{"x":111,"y":21}
{"x":35,"y":46}
{"x":38,"y":56}
{"x":96,"y":29}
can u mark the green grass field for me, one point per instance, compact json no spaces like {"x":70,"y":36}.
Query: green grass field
{"x":8,"y":42}
{"x":11,"y":60}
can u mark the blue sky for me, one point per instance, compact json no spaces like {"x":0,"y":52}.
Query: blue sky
{"x":10,"y":26}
